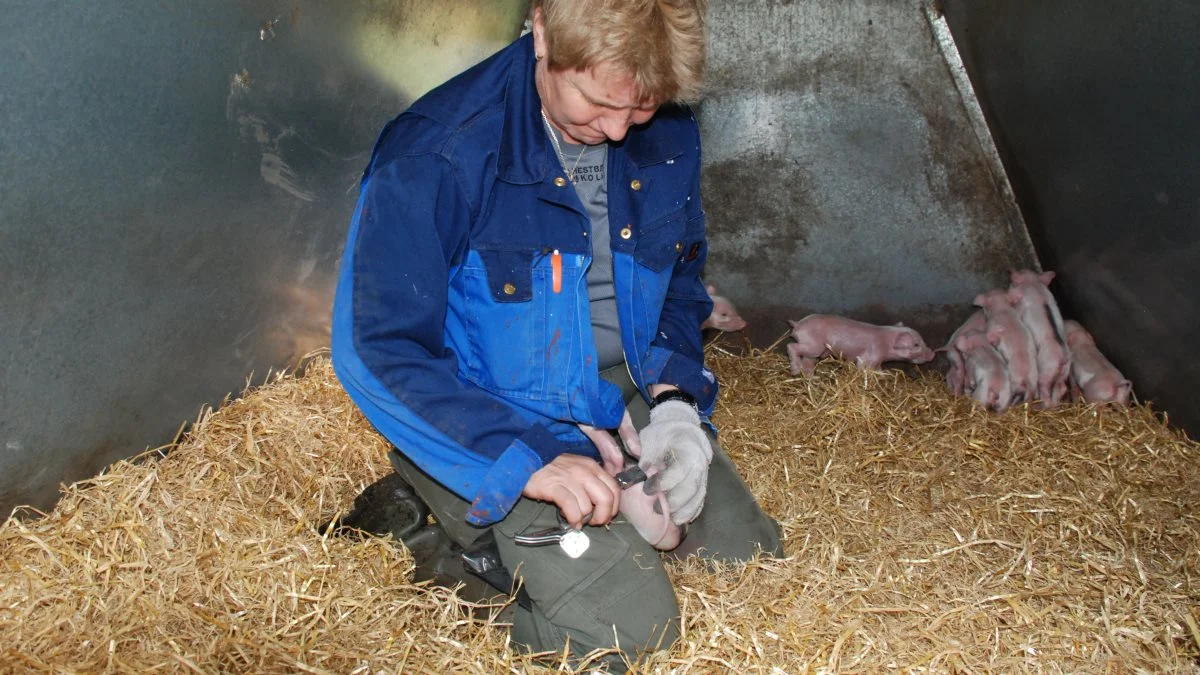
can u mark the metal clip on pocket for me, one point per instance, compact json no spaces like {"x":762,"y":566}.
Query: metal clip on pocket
{"x":573,"y":542}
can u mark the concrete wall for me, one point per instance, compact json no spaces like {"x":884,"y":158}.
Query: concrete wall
{"x":1094,"y":104}
{"x":176,"y":180}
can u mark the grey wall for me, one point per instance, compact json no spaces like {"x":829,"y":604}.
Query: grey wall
{"x":842,"y":170}
{"x":1095,"y":105}
{"x":174,"y":194}
{"x":176,"y":180}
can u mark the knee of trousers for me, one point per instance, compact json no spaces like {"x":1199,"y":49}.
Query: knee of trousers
{"x":636,"y":613}
{"x":628,"y":640}
{"x":760,"y":531}
{"x":646,"y":624}
{"x":772,"y":540}
{"x":617,"y":596}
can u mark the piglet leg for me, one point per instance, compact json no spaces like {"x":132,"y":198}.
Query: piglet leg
{"x":801,"y":362}
{"x":650,"y":516}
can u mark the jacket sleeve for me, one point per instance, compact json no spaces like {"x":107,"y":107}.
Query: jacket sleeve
{"x":677,"y":351}
{"x":409,"y":231}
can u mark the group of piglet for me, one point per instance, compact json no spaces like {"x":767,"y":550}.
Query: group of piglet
{"x":1018,"y":348}
{"x":820,"y":335}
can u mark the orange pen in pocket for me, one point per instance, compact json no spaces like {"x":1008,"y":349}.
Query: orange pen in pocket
{"x":556,"y":270}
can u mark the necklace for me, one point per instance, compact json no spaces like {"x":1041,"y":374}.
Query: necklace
{"x":558,"y":150}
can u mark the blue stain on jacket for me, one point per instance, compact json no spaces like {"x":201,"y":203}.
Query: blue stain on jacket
{"x":446,"y":330}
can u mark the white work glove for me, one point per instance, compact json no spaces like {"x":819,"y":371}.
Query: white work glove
{"x":676,"y":454}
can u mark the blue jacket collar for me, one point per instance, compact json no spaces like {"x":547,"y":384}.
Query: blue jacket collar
{"x":525,"y":155}
{"x":525,"y":150}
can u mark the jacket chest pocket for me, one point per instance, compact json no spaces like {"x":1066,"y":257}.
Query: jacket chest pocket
{"x":664,"y":241}
{"x":509,"y":274}
{"x":522,"y":330}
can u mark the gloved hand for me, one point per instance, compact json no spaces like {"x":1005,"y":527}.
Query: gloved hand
{"x":676,"y":454}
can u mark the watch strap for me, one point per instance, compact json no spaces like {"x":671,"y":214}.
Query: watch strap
{"x":675,"y":395}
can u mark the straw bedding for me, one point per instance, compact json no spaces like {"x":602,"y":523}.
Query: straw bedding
{"x":924,"y":535}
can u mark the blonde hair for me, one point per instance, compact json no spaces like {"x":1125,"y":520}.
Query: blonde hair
{"x":659,"y":43}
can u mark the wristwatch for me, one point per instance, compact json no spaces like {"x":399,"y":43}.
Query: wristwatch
{"x":676,"y":395}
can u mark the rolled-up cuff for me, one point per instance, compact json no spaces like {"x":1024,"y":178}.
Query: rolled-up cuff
{"x":503,"y":483}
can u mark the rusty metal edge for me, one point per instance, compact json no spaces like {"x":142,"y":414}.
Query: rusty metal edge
{"x":987,"y":144}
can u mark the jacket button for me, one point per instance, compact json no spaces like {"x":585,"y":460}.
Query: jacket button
{"x":560,"y":181}
{"x":626,"y":233}
{"x":509,"y":289}
{"x":635,"y":184}
{"x":678,"y":246}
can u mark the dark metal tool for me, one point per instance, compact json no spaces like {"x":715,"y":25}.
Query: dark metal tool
{"x":631,"y":476}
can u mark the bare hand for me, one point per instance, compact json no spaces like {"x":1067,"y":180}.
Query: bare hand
{"x":610,"y":452}
{"x":578,"y":486}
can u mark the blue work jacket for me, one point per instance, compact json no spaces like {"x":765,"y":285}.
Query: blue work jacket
{"x":461,"y":323}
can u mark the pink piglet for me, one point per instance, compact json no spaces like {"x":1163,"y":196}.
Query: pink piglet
{"x":985,"y":376}
{"x":1094,"y":375}
{"x":724,"y":315}
{"x":955,"y":376}
{"x":820,"y":335}
{"x":1012,"y":339}
{"x":1039,"y":312}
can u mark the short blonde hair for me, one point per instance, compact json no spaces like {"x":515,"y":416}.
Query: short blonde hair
{"x":659,"y":43}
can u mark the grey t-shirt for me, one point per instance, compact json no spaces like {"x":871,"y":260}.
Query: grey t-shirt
{"x":591,"y":184}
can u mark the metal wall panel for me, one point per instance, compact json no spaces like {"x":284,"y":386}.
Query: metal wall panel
{"x":176,"y":180}
{"x":1094,"y":105}
{"x":842,"y":171}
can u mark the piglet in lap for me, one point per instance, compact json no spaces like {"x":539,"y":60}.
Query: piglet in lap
{"x":1095,"y":377}
{"x":648,"y":513}
{"x":868,"y":345}
{"x":650,"y":516}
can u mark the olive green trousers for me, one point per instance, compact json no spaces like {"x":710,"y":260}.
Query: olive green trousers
{"x":617,"y":594}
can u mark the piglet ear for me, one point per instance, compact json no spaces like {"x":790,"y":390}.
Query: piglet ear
{"x":979,"y":300}
{"x":710,"y":288}
{"x":1046,"y":277}
{"x":904,"y":340}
